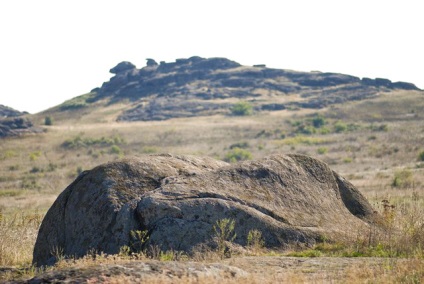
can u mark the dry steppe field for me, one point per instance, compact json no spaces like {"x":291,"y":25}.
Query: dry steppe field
{"x":377,"y":144}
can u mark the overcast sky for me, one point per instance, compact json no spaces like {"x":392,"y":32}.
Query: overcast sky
{"x":51,"y":51}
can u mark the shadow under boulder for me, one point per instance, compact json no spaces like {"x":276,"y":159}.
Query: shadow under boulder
{"x":178,"y":199}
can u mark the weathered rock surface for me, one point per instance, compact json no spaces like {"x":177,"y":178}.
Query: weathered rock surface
{"x":202,"y":86}
{"x":178,"y":199}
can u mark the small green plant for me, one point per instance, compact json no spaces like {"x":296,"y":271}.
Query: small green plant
{"x":379,"y":128}
{"x":324,"y":130}
{"x":318,"y":121}
{"x":58,"y":254}
{"x":14,"y":168}
{"x":224,"y":232}
{"x":36,"y":169}
{"x":293,"y":141}
{"x":322,"y":150}
{"x":306,"y":253}
{"x":30,"y":182}
{"x":7,"y":154}
{"x":241,"y":145}
{"x":237,"y":154}
{"x":33,"y":156}
{"x":51,"y":167}
{"x":115,"y":149}
{"x":340,"y":126}
{"x":149,"y":150}
{"x":305,"y":129}
{"x":85,"y":142}
{"x":168,"y":255}
{"x":255,"y":240}
{"x":138,"y":239}
{"x":124,"y":251}
{"x":242,"y":109}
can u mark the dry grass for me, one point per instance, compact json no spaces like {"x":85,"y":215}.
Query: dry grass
{"x":17,"y":237}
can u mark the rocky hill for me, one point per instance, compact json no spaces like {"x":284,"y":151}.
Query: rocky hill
{"x":205,"y":86}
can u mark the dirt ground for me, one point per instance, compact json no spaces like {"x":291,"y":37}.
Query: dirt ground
{"x":251,"y":269}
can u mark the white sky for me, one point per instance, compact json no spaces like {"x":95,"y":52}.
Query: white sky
{"x":51,"y":51}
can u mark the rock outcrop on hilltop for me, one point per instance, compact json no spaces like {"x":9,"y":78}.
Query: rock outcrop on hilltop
{"x":15,"y":126}
{"x":178,"y":199}
{"x":12,"y":123}
{"x":205,"y":86}
{"x":6,"y":111}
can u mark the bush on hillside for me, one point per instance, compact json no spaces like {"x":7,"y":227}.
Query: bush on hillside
{"x":242,"y":109}
{"x":421,"y":156}
{"x":237,"y":154}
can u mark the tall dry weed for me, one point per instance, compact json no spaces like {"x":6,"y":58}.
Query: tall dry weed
{"x":18,"y":233}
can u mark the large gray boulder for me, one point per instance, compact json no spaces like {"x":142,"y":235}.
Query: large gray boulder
{"x":178,"y":199}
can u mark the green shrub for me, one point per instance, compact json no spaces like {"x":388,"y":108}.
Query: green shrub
{"x":306,"y":253}
{"x":7,"y":154}
{"x":324,"y":130}
{"x":115,"y":149}
{"x":237,"y":154}
{"x":421,"y":156}
{"x":224,"y":232}
{"x":48,"y":120}
{"x":36,"y":169}
{"x":403,"y":179}
{"x":168,"y":255}
{"x":85,"y":142}
{"x":51,"y":167}
{"x":242,"y":109}
{"x":378,"y":128}
{"x":138,"y":239}
{"x":241,"y":145}
{"x":303,"y":140}
{"x":30,"y":182}
{"x":322,"y":150}
{"x":150,"y":150}
{"x":33,"y":156}
{"x":14,"y":168}
{"x":255,"y":240}
{"x":340,"y":126}
{"x":305,"y":129}
{"x":318,"y":121}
